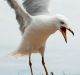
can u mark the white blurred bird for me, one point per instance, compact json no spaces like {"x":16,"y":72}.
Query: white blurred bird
{"x":36,"y":26}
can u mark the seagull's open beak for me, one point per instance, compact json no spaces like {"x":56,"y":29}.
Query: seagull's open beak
{"x":63,"y":31}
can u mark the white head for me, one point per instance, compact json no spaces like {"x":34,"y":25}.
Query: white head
{"x":61,"y":23}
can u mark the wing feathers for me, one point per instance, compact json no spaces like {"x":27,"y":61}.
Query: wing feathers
{"x":21,"y":15}
{"x":35,"y":7}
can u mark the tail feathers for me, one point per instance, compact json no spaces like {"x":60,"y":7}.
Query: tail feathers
{"x":19,"y":53}
{"x":16,"y":53}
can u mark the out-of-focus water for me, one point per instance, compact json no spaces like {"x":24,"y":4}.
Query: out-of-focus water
{"x":59,"y":56}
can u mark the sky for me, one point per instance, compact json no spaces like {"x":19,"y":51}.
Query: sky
{"x":63,"y":57}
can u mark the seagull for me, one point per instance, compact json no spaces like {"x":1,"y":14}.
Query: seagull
{"x":36,"y":25}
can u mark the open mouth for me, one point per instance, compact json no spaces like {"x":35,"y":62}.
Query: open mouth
{"x":63,"y":31}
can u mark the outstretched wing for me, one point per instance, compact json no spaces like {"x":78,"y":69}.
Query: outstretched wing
{"x":21,"y":16}
{"x":35,"y":7}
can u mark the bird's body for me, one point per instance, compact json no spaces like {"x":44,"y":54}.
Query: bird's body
{"x":36,"y":26}
{"x":36,"y":34}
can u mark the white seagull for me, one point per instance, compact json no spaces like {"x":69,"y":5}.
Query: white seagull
{"x":36,"y":25}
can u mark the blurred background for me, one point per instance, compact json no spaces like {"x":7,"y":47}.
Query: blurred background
{"x":60,"y":57}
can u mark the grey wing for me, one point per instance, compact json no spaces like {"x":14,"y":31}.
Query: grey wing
{"x":20,"y":14}
{"x":36,"y":7}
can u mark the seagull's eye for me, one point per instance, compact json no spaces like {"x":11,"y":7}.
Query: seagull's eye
{"x":62,"y":22}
